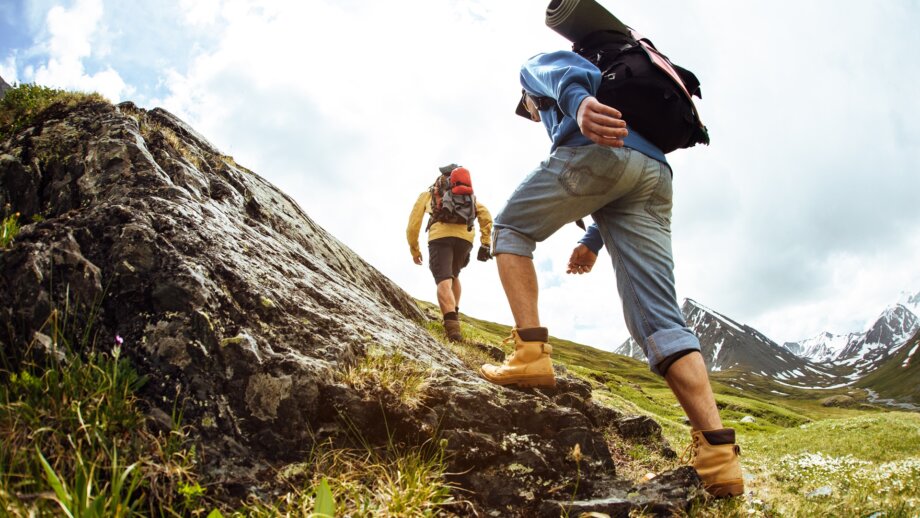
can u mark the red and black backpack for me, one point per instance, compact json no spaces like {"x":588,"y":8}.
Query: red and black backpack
{"x":452,"y":199}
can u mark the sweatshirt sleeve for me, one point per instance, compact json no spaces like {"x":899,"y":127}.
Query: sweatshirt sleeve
{"x":485,"y":224}
{"x":592,"y":238}
{"x":415,"y":222}
{"x":564,"y":76}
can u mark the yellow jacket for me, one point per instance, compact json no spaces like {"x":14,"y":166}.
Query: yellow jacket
{"x":439,"y":230}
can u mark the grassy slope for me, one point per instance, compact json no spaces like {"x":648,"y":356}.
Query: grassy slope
{"x":800,"y":457}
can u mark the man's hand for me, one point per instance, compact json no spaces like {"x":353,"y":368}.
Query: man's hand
{"x":582,"y":260}
{"x":485,"y":253}
{"x":417,"y":259}
{"x":601,"y":123}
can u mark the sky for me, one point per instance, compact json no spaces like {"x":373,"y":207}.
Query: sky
{"x":801,"y":216}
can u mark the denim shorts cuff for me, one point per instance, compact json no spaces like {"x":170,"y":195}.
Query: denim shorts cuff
{"x":508,"y":241}
{"x":666,"y":342}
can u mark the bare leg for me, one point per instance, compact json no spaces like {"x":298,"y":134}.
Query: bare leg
{"x":519,"y":279}
{"x":446,"y":296}
{"x":689,"y":381}
{"x":456,"y":291}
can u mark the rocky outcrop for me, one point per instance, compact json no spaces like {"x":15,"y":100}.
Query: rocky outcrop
{"x":233,"y":301}
{"x":3,"y":87}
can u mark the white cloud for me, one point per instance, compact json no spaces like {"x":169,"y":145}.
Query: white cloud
{"x":70,"y":42}
{"x":200,"y":12}
{"x":8,"y":70}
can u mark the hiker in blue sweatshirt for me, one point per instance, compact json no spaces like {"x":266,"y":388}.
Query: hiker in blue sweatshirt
{"x":599,"y":166}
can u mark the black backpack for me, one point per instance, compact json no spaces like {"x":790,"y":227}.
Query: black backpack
{"x":452,"y":199}
{"x":653,"y":94}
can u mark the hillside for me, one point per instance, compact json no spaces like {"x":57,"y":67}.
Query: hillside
{"x":804,"y":452}
{"x":899,"y":377}
{"x":180,"y":338}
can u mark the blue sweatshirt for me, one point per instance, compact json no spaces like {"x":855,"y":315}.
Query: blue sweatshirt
{"x":592,"y":238}
{"x":569,"y":78}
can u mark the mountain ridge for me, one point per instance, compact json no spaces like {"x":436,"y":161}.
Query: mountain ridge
{"x":821,"y":362}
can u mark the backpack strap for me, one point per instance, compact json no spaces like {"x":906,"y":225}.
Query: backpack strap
{"x":469,"y":224}
{"x":434,"y":204}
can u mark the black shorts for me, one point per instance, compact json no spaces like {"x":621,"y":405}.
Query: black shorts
{"x":447,"y":256}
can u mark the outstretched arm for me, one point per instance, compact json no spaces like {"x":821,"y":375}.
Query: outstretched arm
{"x":415,"y":225}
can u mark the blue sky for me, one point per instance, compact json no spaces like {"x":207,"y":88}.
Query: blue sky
{"x":801,"y":217}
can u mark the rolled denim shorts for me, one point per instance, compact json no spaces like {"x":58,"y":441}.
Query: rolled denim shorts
{"x":629,"y":196}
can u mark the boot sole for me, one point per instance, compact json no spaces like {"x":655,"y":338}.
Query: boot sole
{"x":726,"y":489}
{"x":531,"y":381}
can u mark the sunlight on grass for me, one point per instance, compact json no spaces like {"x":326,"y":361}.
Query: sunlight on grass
{"x":404,"y":378}
{"x":393,"y":482}
{"x":9,"y":228}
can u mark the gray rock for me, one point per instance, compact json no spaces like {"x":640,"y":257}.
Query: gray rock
{"x":638,"y":426}
{"x":820,"y":492}
{"x":747,"y":419}
{"x":3,"y":87}
{"x":669,"y":494}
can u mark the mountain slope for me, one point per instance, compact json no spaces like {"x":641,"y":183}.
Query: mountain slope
{"x":898,"y":377}
{"x":822,"y":348}
{"x":729,"y":345}
{"x":868,"y":351}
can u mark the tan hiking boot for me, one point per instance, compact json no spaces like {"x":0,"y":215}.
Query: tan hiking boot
{"x":714,"y":456}
{"x":452,"y":328}
{"x":529,"y":365}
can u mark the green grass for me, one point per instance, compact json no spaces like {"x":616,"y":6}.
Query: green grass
{"x":393,"y":372}
{"x":363,"y":482}
{"x":75,"y":441}
{"x":9,"y":228}
{"x":22,"y":103}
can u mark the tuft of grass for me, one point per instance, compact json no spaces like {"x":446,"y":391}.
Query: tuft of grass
{"x":9,"y":228}
{"x":393,"y":372}
{"x":154,"y":130}
{"x":472,"y":356}
{"x":394,"y":482}
{"x":22,"y":103}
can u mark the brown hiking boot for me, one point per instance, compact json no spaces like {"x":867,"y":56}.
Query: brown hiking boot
{"x":452,"y":328}
{"x":529,"y":365}
{"x":714,"y":456}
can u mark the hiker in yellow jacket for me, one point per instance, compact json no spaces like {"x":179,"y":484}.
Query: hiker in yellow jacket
{"x":452,"y":209}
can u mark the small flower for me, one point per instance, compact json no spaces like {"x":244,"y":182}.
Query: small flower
{"x":116,"y":349}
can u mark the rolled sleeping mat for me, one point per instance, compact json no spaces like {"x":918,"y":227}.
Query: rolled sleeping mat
{"x":575,"y":19}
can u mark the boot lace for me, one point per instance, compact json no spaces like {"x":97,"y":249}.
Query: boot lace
{"x":691,"y":451}
{"x":508,"y":341}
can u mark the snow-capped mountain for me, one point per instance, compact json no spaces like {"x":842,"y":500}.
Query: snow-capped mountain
{"x":890,"y":332}
{"x":861,"y":353}
{"x":880,"y":358}
{"x":822,"y":348}
{"x":727,"y":344}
